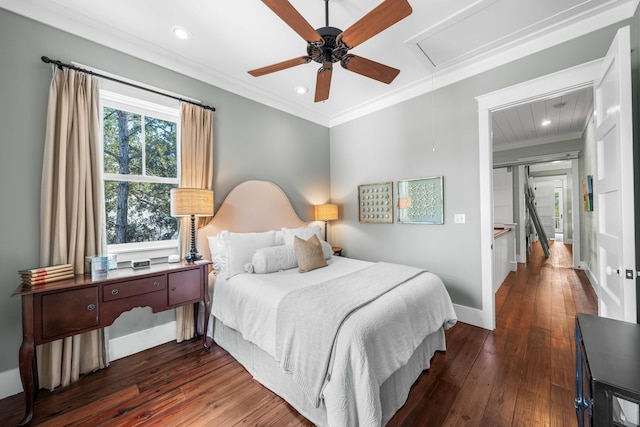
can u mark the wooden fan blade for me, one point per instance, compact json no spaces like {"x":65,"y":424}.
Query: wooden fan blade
{"x":323,"y":82}
{"x":280,"y":66}
{"x":380,"y":18}
{"x":368,"y":68}
{"x":292,"y":18}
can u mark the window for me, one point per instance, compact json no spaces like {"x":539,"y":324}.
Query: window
{"x":140,"y":161}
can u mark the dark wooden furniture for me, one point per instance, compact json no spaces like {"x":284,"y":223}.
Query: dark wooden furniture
{"x":69,"y":307}
{"x":607,"y":369}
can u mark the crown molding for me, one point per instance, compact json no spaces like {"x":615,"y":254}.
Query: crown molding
{"x":51,"y":14}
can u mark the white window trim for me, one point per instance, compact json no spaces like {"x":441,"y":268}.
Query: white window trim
{"x":157,"y":249}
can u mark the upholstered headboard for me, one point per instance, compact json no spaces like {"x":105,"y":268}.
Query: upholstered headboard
{"x":252,"y":206}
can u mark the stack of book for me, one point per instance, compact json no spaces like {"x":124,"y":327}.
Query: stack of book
{"x":38,"y":276}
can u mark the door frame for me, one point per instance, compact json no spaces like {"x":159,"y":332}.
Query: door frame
{"x":553,"y":84}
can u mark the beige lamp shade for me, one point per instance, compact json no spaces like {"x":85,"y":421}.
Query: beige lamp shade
{"x":326,"y":212}
{"x":191,"y":201}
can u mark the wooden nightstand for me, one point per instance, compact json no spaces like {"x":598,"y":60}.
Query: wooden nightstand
{"x":337,"y":250}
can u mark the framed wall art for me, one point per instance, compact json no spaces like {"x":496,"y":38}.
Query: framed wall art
{"x":375,"y":203}
{"x":587,"y":193}
{"x":421,"y":201}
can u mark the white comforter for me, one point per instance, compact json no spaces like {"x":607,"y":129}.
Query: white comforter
{"x":372,"y":344}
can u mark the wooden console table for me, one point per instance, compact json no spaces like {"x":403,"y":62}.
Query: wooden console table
{"x":69,"y":307}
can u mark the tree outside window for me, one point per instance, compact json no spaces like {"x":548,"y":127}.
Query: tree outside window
{"x":140,"y":169}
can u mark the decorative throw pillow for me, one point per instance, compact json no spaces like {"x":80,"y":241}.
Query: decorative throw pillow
{"x":272,"y":259}
{"x":308,"y":253}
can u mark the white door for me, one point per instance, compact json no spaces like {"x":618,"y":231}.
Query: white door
{"x":613,"y":185}
{"x":558,"y":208}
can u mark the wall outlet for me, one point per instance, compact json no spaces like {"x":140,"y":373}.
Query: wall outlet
{"x":459,"y":218}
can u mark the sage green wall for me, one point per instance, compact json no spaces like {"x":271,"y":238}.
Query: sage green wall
{"x":252,"y":141}
{"x":396,"y":143}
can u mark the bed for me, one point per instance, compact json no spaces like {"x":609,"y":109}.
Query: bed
{"x":340,"y":357}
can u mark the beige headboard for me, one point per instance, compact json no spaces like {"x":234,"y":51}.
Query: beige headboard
{"x":252,"y":206}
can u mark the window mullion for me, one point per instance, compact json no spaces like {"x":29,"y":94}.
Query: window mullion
{"x":143,"y":143}
{"x":139,"y":178}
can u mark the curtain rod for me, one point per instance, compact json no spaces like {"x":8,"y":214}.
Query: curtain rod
{"x":61,"y":64}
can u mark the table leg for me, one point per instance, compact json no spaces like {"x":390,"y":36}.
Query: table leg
{"x":207,"y":313}
{"x":26,"y":359}
{"x":196,"y":310}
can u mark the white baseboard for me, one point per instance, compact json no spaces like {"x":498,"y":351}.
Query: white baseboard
{"x":473,"y":316}
{"x":120,"y":347}
{"x":139,"y":341}
{"x":592,"y":279}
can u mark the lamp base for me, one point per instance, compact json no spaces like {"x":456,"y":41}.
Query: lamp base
{"x":193,"y":255}
{"x":192,"y":258}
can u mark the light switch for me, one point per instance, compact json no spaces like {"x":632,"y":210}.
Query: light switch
{"x":459,"y":218}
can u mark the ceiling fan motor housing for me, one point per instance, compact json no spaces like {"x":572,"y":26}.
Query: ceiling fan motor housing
{"x":329,"y":51}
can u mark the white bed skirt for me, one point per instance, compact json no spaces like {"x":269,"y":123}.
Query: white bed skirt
{"x":264,"y":368}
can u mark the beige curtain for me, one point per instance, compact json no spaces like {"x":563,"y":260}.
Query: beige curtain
{"x":71,"y":211}
{"x":196,"y":171}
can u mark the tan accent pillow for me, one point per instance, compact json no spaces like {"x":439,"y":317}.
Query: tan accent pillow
{"x":308,"y":253}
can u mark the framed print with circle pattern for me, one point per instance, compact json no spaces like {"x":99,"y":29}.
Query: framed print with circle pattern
{"x":375,"y":203}
{"x":421,"y":201}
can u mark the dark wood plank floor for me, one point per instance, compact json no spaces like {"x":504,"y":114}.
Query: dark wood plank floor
{"x":521,"y":374}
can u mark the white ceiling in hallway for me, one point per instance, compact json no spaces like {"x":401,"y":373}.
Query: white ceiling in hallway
{"x":524,"y":125}
{"x":231,"y":37}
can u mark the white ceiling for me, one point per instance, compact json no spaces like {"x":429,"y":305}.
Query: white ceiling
{"x":522,"y":125}
{"x":230,"y":37}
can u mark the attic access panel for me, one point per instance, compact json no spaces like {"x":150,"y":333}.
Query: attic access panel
{"x":485,"y":25}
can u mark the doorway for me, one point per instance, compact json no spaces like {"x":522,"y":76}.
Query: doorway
{"x":555,"y":84}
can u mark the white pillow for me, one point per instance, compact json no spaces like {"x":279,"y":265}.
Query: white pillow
{"x":279,"y":237}
{"x":218,"y":251}
{"x":327,"y":250}
{"x":272,"y":259}
{"x":302,"y":232}
{"x":242,"y":246}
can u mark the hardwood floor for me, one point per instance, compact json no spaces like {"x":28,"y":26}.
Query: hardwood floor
{"x":521,"y":374}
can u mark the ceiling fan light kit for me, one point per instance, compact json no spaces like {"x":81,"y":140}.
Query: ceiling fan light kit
{"x":328,"y":45}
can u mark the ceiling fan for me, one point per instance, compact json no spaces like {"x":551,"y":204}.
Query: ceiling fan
{"x":328,"y":45}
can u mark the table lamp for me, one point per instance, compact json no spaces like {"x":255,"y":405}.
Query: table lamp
{"x":191,"y":202}
{"x":326,"y":212}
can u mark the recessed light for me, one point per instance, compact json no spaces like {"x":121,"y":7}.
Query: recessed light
{"x":301,"y":90}
{"x":546,"y":123}
{"x":180,"y":32}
